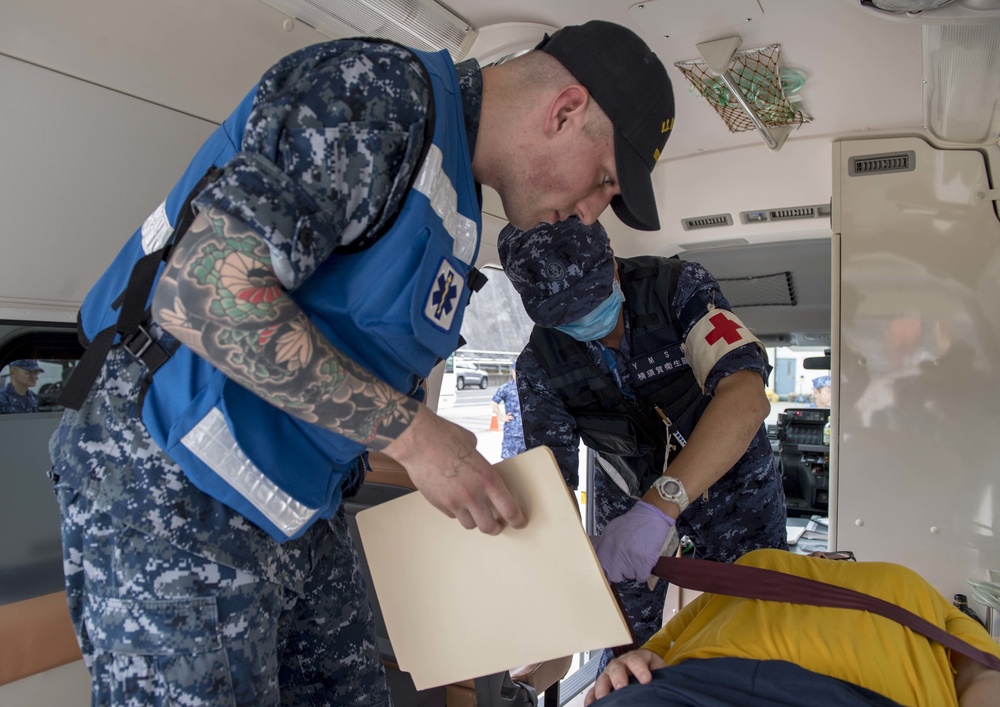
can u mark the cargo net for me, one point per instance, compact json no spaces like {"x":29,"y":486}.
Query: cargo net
{"x":756,"y":72}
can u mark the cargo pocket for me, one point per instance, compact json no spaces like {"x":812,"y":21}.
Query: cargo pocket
{"x":158,"y":652}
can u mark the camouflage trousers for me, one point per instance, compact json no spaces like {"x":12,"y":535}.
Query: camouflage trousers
{"x":511,"y":446}
{"x":161,"y":626}
{"x":745,"y":511}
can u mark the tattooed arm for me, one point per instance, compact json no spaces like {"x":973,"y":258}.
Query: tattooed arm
{"x":219,"y":296}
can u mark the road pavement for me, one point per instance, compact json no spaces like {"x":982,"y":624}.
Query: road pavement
{"x":473,"y":411}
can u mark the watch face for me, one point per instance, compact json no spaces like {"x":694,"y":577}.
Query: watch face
{"x":671,"y":486}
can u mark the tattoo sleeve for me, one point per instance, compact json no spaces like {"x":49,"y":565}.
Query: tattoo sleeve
{"x":219,"y":296}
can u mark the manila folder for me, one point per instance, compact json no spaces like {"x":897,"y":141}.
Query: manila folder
{"x":459,"y":604}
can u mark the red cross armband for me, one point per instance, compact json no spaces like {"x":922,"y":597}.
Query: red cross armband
{"x":716,"y":334}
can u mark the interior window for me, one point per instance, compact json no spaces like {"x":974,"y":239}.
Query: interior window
{"x":800,"y":391}
{"x":495,"y":329}
{"x":35,"y":362}
{"x":32,"y":385}
{"x":792,"y":384}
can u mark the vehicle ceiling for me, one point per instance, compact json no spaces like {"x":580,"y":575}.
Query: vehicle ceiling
{"x":707,"y":170}
{"x":863,"y":73}
{"x":863,"y":76}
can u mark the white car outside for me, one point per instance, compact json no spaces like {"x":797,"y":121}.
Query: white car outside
{"x":466,"y":377}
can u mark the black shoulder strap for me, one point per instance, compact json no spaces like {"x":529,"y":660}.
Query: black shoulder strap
{"x":133,"y":316}
{"x":770,"y":585}
{"x":476,"y":279}
{"x":568,"y":367}
{"x":665,"y":270}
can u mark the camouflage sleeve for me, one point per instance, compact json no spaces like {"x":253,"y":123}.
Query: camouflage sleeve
{"x":335,"y":133}
{"x":544,"y":417}
{"x":696,"y":284}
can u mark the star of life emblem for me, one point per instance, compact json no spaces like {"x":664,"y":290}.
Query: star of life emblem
{"x":442,"y":302}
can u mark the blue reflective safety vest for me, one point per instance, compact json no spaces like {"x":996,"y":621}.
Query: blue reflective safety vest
{"x":395,"y":308}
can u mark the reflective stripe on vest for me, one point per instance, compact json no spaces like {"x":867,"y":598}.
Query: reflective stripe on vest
{"x":433,"y":183}
{"x":212,"y":441}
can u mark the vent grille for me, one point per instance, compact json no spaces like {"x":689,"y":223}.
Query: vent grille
{"x":788,"y":213}
{"x":714,"y":221}
{"x":785,"y":214}
{"x":883,"y":164}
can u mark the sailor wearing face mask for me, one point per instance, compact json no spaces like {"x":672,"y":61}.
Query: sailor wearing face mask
{"x":643,"y":360}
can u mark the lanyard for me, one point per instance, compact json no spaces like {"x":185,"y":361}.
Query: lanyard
{"x":675,"y":433}
{"x":609,"y":358}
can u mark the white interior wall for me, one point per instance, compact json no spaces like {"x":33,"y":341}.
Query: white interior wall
{"x":85,"y":165}
{"x":195,"y":57}
{"x":916,"y":450}
{"x":66,"y":686}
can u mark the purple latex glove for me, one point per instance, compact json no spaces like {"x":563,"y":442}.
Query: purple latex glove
{"x":631,"y":543}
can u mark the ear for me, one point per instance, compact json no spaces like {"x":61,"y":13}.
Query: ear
{"x":567,"y":110}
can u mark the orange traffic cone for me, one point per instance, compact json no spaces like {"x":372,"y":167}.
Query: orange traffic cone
{"x":494,"y":424}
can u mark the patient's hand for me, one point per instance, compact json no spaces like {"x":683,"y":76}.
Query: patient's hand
{"x":639,"y":664}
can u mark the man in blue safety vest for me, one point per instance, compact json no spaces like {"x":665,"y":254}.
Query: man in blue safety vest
{"x":272,"y":321}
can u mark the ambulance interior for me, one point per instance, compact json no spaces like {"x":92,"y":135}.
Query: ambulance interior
{"x":834,"y":163}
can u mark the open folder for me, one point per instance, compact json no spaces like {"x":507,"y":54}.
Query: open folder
{"x":459,"y":604}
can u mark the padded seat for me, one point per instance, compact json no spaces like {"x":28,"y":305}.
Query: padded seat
{"x":36,"y":635}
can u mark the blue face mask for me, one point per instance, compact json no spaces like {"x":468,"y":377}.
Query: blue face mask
{"x":600,"y":322}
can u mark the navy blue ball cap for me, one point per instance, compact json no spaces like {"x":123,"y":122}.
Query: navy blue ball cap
{"x":630,"y":84}
{"x":562,"y":271}
{"x":28,"y":364}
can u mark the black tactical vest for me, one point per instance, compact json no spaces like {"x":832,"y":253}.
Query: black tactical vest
{"x":629,"y":433}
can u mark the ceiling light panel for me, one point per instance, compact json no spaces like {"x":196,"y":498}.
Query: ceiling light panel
{"x":962,"y":87}
{"x":421,"y":24}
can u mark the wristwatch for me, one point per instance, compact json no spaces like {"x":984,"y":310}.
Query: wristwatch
{"x":671,"y":489}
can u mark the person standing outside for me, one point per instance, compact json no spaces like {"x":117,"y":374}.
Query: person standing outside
{"x":513,"y":433}
{"x":320,"y":273}
{"x":17,"y":396}
{"x":822,"y":390}
{"x":643,"y":360}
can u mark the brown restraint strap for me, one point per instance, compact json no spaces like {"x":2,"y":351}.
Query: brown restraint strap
{"x":770,"y":585}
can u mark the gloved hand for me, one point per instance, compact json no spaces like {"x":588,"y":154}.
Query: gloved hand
{"x":632,"y":543}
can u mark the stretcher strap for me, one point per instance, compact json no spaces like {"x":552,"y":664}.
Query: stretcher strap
{"x":770,"y":585}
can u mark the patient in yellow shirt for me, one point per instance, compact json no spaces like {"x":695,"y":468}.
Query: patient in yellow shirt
{"x":722,"y":650}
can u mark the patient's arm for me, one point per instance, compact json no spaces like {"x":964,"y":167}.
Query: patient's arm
{"x":976,"y":685}
{"x":639,"y":663}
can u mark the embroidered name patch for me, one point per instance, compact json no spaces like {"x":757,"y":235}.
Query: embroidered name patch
{"x":442,"y":301}
{"x":662,"y":363}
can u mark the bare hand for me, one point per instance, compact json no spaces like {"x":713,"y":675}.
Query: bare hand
{"x":443,"y":463}
{"x":639,"y":664}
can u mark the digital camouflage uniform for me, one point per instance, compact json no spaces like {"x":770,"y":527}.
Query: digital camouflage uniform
{"x":746,"y":507}
{"x":176,"y":598}
{"x":11,"y":402}
{"x":513,"y":434}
